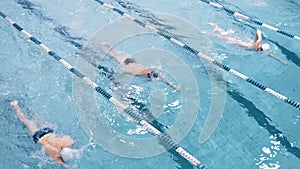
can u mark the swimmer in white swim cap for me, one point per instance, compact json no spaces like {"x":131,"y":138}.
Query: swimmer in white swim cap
{"x":56,"y":147}
{"x":265,"y":47}
{"x":256,"y":44}
{"x":68,"y":154}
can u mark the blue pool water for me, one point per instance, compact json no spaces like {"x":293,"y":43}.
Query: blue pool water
{"x":249,"y":128}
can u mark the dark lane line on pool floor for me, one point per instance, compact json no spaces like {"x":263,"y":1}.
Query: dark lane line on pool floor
{"x":107,"y":72}
{"x":64,"y":32}
{"x":259,"y":116}
{"x":251,"y":19}
{"x":264,"y":121}
{"x":149,"y":17}
{"x":291,"y":56}
{"x":128,"y":109}
{"x":288,"y":54}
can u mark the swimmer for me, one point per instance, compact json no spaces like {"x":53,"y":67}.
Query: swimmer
{"x":255,"y":45}
{"x":56,"y":147}
{"x":130,"y":66}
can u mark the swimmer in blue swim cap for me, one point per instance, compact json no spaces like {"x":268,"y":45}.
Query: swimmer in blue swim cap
{"x":56,"y":147}
{"x":256,"y":44}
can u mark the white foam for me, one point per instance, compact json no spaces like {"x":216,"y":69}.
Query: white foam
{"x":266,"y":150}
{"x":140,"y":130}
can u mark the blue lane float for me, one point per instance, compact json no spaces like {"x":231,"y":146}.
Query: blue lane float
{"x":250,"y":19}
{"x":164,"y":137}
{"x":203,"y":56}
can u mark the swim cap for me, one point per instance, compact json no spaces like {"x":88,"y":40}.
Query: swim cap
{"x":153,"y":75}
{"x":265,"y":46}
{"x":68,"y":154}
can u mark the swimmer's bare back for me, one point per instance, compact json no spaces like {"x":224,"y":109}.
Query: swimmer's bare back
{"x":129,"y":66}
{"x":51,"y":143}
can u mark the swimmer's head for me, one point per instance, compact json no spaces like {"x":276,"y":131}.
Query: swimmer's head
{"x":265,"y":47}
{"x":153,"y":75}
{"x":68,"y":154}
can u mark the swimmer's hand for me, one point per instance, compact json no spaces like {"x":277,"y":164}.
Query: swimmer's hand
{"x":106,"y":44}
{"x":14,"y":103}
{"x":214,"y":25}
{"x":179,"y":89}
{"x":286,"y":63}
{"x":170,"y":84}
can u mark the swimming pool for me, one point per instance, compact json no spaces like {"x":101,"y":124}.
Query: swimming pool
{"x":254,"y":127}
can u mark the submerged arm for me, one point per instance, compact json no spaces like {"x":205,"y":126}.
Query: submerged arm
{"x":169,"y":83}
{"x":258,"y":36}
{"x":28,"y":123}
{"x":276,"y":58}
{"x":112,"y":52}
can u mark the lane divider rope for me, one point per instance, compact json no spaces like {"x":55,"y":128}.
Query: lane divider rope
{"x":209,"y":59}
{"x":133,"y":113}
{"x":108,"y":73}
{"x":251,"y":19}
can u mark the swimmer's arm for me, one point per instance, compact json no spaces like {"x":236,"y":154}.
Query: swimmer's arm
{"x":169,"y":83}
{"x":29,"y":124}
{"x":19,"y":113}
{"x":53,"y":152}
{"x":274,"y":57}
{"x":58,"y":159}
{"x":258,"y":36}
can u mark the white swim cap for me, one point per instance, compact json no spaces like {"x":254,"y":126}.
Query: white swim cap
{"x":68,"y":154}
{"x":265,"y":46}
